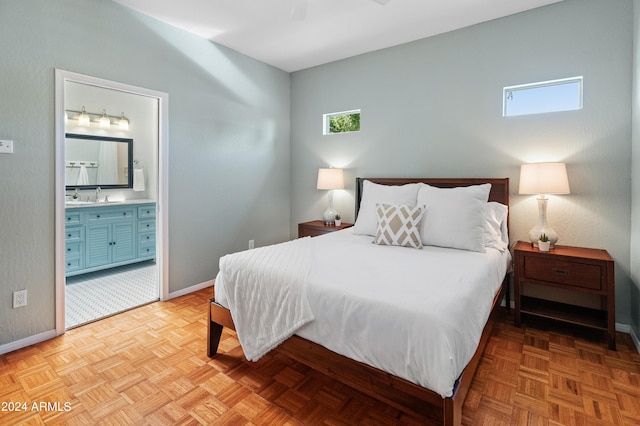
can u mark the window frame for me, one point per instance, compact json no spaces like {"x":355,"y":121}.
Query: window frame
{"x":508,"y":90}
{"x":326,"y":125}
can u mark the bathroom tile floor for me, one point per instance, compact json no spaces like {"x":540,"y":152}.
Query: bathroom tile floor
{"x":103,"y":293}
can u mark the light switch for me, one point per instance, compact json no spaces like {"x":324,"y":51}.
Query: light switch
{"x":6,"y":147}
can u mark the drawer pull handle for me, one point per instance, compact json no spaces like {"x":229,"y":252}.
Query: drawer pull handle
{"x":563,"y":272}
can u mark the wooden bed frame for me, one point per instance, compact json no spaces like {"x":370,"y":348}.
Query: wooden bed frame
{"x":376,"y":383}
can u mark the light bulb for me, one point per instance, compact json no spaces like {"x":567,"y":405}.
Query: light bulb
{"x":84,"y":119}
{"x":104,"y":122}
{"x":124,"y":123}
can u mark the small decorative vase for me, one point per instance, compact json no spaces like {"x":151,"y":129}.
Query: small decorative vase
{"x":544,"y":245}
{"x":338,"y":222}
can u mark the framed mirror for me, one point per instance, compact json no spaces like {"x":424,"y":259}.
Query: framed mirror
{"x":92,"y":161}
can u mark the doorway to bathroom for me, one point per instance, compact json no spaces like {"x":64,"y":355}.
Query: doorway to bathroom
{"x":110,"y":198}
{"x":96,"y":295}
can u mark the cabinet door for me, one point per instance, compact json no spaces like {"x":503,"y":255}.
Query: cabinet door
{"x":98,"y":245}
{"x":124,"y":243}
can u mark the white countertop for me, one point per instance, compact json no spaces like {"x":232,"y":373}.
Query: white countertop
{"x":81,"y":204}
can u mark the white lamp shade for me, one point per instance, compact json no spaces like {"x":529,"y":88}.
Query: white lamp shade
{"x":544,"y":178}
{"x":330,"y":179}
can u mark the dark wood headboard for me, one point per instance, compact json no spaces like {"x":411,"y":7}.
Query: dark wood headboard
{"x":499,"y":186}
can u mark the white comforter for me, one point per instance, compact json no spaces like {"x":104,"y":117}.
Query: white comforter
{"x":417,"y":314}
{"x":265,"y":290}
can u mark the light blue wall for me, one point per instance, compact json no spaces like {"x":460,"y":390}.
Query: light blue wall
{"x":228,"y":141}
{"x":635,"y":176}
{"x":433,"y":108}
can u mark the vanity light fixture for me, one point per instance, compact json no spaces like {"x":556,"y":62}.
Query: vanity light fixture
{"x":543,"y":178}
{"x":84,"y":119}
{"x":123,"y":123}
{"x":104,"y":121}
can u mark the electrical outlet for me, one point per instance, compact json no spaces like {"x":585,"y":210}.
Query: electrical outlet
{"x":251,"y":244}
{"x":6,"y":147}
{"x":19,"y":298}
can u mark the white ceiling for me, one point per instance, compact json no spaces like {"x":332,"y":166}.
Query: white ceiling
{"x":331,"y":29}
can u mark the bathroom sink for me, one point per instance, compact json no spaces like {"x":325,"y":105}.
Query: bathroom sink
{"x":90,"y":203}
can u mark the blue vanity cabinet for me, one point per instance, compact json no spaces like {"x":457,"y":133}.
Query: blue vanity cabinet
{"x":74,"y":240}
{"x":147,"y":231}
{"x":109,"y":236}
{"x":109,"y":243}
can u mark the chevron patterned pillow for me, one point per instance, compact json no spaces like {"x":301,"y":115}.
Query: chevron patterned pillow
{"x":399,"y":225}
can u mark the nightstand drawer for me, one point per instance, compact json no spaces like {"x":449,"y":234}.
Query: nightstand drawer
{"x":561,"y":272}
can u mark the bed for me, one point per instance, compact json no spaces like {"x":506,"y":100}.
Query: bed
{"x":416,"y":375}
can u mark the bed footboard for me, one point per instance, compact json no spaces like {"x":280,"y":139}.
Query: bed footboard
{"x":383,"y":386}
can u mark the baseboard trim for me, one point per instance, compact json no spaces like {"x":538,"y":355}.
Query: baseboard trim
{"x":191,"y":289}
{"x":27,"y":341}
{"x":626,"y":328}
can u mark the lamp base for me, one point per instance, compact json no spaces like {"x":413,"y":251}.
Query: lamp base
{"x":329,"y":216}
{"x":534,"y":235}
{"x":542,"y":227}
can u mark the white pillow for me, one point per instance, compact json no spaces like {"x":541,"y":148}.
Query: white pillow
{"x":399,"y":226}
{"x":496,"y":233}
{"x":454,"y":217}
{"x":372,"y":194}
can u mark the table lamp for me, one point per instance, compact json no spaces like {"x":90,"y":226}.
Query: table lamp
{"x":541,"y":179}
{"x":330,"y":179}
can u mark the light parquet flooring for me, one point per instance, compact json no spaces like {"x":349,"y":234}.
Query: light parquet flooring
{"x":148,"y":366}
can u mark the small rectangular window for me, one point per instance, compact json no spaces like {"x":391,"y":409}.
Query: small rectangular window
{"x":546,"y":96}
{"x":341,"y":122}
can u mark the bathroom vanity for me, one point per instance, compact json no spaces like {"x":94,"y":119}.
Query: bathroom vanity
{"x":104,"y":235}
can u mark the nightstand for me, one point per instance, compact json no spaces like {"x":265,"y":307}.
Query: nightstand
{"x":575,"y":269}
{"x":317,"y":227}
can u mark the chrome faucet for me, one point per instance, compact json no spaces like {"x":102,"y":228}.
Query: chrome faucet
{"x":98,"y":189}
